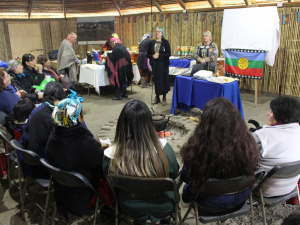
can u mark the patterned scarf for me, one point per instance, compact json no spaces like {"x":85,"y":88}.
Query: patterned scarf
{"x":56,"y":77}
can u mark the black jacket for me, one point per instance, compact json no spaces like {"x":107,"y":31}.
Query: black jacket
{"x":164,"y":52}
{"x":23,"y":83}
{"x":31,"y":74}
{"x":75,"y":149}
{"x":143,"y":47}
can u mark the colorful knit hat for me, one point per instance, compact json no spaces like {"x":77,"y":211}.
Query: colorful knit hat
{"x":162,"y":30}
{"x":12,"y":65}
{"x":66,"y":112}
{"x":207,"y":33}
{"x":116,"y":40}
{"x":114,"y":35}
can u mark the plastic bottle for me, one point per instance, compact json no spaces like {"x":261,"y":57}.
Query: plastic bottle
{"x":189,"y":50}
{"x":181,"y":50}
{"x":96,"y":56}
{"x":89,"y":57}
{"x":178,"y":50}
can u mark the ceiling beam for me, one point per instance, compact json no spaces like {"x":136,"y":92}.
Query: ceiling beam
{"x":29,"y":8}
{"x":64,"y":8}
{"x":158,"y":6}
{"x":181,"y":3}
{"x":118,"y":8}
{"x":291,"y":0}
{"x":248,"y":2}
{"x":212,"y":3}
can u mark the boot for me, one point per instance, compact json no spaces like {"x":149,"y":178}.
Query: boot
{"x":124,"y":95}
{"x":164,"y":102}
{"x":118,"y":95}
{"x":156,"y":101}
{"x":143,"y":82}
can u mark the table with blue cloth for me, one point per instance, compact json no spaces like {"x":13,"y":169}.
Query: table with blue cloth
{"x":181,"y":66}
{"x":189,"y":93}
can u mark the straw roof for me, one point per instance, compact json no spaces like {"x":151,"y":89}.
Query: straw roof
{"x":30,"y":9}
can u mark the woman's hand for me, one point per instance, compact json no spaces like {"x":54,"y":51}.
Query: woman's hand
{"x":18,"y":93}
{"x":62,"y":76}
{"x":40,"y":95}
{"x":40,"y":68}
{"x":155,"y":56}
{"x":203,"y":61}
{"x":65,"y":89}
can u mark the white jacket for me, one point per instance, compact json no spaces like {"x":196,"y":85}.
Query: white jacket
{"x":279,"y":144}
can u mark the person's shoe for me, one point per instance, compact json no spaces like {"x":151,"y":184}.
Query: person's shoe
{"x":124,"y":95}
{"x":164,"y":102}
{"x":156,"y":100}
{"x":117,"y":98}
{"x":143,"y":85}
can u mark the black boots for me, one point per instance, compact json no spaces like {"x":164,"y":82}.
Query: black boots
{"x":124,"y":95}
{"x":118,"y":95}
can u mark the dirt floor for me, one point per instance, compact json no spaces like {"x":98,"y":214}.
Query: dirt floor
{"x":98,"y":112}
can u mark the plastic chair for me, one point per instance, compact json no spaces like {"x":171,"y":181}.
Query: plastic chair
{"x":30,"y":158}
{"x":144,"y":185}
{"x":224,"y":187}
{"x":70,"y":179}
{"x":283,"y":171}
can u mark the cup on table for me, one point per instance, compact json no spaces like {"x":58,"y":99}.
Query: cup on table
{"x":48,"y":77}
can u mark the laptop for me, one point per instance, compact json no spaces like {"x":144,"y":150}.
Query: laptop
{"x":196,"y":68}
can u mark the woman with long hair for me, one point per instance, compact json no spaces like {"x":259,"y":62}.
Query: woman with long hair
{"x":221,"y":147}
{"x":138,"y":152}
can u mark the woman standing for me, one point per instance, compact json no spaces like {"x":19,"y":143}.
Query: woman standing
{"x":159,"y":51}
{"x":143,"y":61}
{"x":138,"y":152}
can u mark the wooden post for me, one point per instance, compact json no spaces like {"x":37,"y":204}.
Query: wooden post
{"x":256,"y":91}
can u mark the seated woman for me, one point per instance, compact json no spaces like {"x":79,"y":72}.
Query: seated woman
{"x":72,"y":147}
{"x":22,"y":82}
{"x":8,"y":98}
{"x":136,"y":144}
{"x":279,"y":142}
{"x":50,"y":71}
{"x":28,"y":62}
{"x":222,"y":148}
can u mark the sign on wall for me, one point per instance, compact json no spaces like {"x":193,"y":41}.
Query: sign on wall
{"x":94,"y":30}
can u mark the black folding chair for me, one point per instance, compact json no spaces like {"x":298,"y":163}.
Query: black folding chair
{"x":70,"y":179}
{"x":144,"y":185}
{"x":11,"y":156}
{"x":30,"y":158}
{"x":224,"y":187}
{"x":283,"y":171}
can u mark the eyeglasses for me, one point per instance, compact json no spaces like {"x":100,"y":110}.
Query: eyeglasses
{"x":6,"y":76}
{"x":158,"y":31}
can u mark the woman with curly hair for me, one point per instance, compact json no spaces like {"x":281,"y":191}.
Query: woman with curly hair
{"x":222,"y":148}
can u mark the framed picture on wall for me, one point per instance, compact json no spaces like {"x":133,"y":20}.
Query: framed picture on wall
{"x":94,"y":30}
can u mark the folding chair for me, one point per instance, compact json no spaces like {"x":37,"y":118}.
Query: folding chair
{"x":69,"y":179}
{"x":283,"y":171}
{"x":30,"y":158}
{"x":11,"y":158}
{"x":144,"y":185}
{"x":224,"y":187}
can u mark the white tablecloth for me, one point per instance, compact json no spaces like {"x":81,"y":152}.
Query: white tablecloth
{"x":96,"y":75}
{"x":184,"y":71}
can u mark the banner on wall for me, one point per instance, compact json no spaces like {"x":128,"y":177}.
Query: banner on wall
{"x":95,"y":30}
{"x":244,"y":63}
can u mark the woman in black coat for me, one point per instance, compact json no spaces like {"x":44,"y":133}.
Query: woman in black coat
{"x":72,"y":147}
{"x":36,"y":77}
{"x":159,"y":52}
{"x":143,"y":61}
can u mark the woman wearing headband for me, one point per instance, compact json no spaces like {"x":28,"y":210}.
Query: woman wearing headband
{"x":159,"y":52}
{"x":207,"y":52}
{"x":72,"y":147}
{"x":29,"y":63}
{"x":143,"y":61}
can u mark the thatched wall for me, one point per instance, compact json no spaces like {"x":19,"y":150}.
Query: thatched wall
{"x":285,"y":70}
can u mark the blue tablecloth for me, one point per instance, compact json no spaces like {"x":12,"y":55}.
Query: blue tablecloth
{"x":189,"y":93}
{"x":183,"y":63}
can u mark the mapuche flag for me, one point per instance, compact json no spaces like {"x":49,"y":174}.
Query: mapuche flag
{"x":244,"y":63}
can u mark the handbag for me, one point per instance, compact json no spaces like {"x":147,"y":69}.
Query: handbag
{"x":65,"y":82}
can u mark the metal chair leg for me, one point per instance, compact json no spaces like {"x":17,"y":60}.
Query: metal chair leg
{"x":116,"y":212}
{"x":24,"y":193}
{"x":179,"y":214}
{"x":187,"y":213}
{"x":96,"y":209}
{"x":196,"y":213}
{"x":263,"y":207}
{"x":47,"y":200}
{"x":176,"y":214}
{"x":54,"y":214}
{"x":20,"y":183}
{"x":8,"y":165}
{"x":251,"y":209}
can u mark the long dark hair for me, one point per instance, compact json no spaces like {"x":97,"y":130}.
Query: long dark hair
{"x":27,"y":58}
{"x":221,"y":146}
{"x":53,"y":91}
{"x":138,"y":150}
